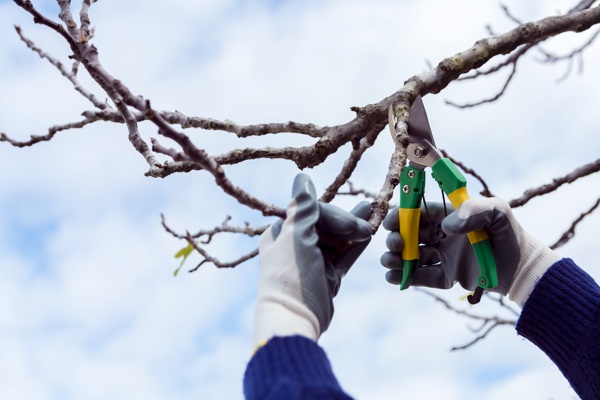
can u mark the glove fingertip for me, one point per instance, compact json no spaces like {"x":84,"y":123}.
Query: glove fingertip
{"x":364,"y":230}
{"x":394,"y":277}
{"x":362,"y":210}
{"x":276,"y":228}
{"x":453,"y":224}
{"x":303,"y":185}
{"x":391,"y":221}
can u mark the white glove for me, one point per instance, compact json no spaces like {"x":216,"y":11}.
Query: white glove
{"x":299,"y":275}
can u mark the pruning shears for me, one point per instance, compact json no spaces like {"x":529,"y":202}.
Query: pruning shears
{"x":422,"y":153}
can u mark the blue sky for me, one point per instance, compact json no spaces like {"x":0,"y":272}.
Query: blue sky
{"x":89,"y":308}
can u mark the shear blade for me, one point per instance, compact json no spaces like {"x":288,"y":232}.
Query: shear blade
{"x":418,"y":124}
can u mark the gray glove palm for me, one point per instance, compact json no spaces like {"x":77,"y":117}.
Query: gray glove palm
{"x":521,"y":259}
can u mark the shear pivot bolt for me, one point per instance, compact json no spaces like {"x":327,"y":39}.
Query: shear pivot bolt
{"x":405,"y":189}
{"x":419,"y":151}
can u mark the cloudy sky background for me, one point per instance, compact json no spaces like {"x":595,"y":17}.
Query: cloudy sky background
{"x":89,"y":307}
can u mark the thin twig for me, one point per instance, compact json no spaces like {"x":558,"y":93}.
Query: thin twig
{"x":218,"y":263}
{"x":353,"y":191}
{"x":491,"y":99}
{"x":350,"y":165}
{"x":70,"y":75}
{"x":571,"y":177}
{"x":491,"y":322}
{"x":569,"y":233}
{"x":34,"y":139}
{"x":486,"y":190}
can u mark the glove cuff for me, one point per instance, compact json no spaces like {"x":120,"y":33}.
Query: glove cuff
{"x":535,"y":261}
{"x":280,"y":315}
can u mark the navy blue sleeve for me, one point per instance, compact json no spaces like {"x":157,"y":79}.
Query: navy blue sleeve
{"x":562,"y":318}
{"x":291,"y":367}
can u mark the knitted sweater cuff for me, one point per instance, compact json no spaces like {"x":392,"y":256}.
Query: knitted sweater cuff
{"x":561,"y":318}
{"x":292,"y":365}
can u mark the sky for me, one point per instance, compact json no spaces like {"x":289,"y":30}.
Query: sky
{"x":89,"y":306}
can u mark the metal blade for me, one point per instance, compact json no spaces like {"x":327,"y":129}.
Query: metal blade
{"x":418,"y":124}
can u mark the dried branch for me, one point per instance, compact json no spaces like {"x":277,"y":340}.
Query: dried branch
{"x":490,"y":327}
{"x":361,"y":131}
{"x":486,"y":190}
{"x":491,"y":99}
{"x":353,"y":191}
{"x":570,"y":233}
{"x":583,"y":5}
{"x":518,"y":54}
{"x":381,"y":203}
{"x":571,"y":177}
{"x":552,"y":58}
{"x":34,"y":139}
{"x":84,"y":19}
{"x":488,"y":322}
{"x":217,"y":263}
{"x":209,"y":234}
{"x":349,"y":166}
{"x":70,"y":75}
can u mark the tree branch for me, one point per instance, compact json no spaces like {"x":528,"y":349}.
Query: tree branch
{"x":486,"y":190}
{"x":70,"y":75}
{"x":569,"y":233}
{"x":491,"y":322}
{"x":571,"y":177}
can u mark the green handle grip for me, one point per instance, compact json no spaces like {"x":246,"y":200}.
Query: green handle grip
{"x":488,"y":277}
{"x":454,"y":184}
{"x":412,"y":186}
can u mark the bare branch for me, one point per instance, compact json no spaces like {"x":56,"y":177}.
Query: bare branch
{"x":583,"y":5}
{"x":491,"y":99}
{"x":66,"y":16}
{"x":490,"y":327}
{"x":486,"y":190}
{"x":349,"y":166}
{"x":570,"y":233}
{"x":361,"y":131}
{"x":217,"y":262}
{"x":197,"y":155}
{"x":570,"y":57}
{"x":209,"y":234}
{"x":491,"y":322}
{"x":44,"y":138}
{"x":392,"y":179}
{"x":84,"y":18}
{"x":571,"y":177}
{"x":518,"y":54}
{"x":241,"y":131}
{"x":353,"y":191}
{"x":510,"y":15}
{"x":70,"y":75}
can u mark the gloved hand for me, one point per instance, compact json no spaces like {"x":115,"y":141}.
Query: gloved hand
{"x":521,"y":259}
{"x":299,"y":274}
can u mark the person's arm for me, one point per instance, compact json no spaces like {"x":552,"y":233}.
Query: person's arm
{"x":291,"y":367}
{"x":562,"y":318}
{"x":560,"y":302}
{"x":299,"y":276}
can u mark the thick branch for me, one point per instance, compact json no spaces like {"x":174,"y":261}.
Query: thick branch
{"x":482,"y":51}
